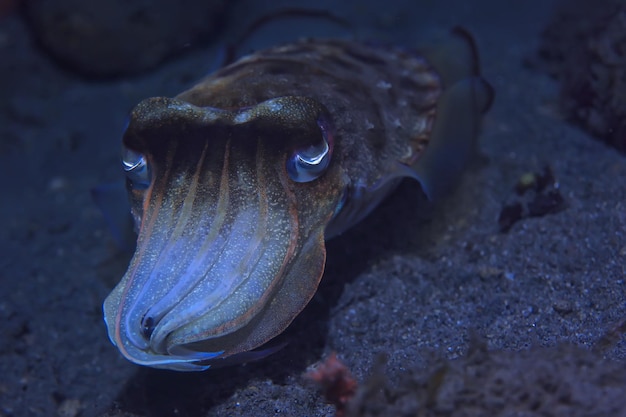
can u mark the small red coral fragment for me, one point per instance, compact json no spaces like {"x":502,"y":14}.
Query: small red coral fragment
{"x":336,"y":380}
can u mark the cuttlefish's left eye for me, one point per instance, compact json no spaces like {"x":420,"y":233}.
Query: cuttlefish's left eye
{"x":310,"y":163}
{"x":136,"y":168}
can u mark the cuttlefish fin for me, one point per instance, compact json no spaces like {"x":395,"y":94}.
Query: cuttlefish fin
{"x":465,"y":98}
{"x":112,"y":200}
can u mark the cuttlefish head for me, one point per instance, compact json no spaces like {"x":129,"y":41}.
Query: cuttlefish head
{"x":230,"y":208}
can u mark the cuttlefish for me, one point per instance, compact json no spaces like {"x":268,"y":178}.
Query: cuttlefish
{"x":236,"y":183}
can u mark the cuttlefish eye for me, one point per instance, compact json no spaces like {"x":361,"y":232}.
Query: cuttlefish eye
{"x":308,"y":164}
{"x":136,"y":168}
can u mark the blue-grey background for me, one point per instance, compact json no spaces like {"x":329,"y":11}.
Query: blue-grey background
{"x":404,"y":282}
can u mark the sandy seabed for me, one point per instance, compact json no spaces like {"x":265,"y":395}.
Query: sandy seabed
{"x":420,"y":286}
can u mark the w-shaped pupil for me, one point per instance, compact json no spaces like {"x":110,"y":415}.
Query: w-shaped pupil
{"x":147,"y":326}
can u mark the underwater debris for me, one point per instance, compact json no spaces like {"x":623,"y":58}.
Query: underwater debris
{"x":335,"y":379}
{"x":545,"y":382}
{"x":611,"y":338}
{"x":538,"y":195}
{"x":584,"y":47}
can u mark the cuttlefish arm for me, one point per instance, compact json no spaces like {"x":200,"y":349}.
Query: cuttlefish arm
{"x":235,"y":185}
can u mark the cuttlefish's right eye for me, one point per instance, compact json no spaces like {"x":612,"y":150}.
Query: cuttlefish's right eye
{"x":136,"y":168}
{"x":310,"y":163}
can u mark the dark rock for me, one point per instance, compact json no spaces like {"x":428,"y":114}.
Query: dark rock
{"x":118,"y":37}
{"x":584,"y":47}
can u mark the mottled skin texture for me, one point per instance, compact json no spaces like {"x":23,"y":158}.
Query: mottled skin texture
{"x":382,"y":99}
{"x":230,"y":247}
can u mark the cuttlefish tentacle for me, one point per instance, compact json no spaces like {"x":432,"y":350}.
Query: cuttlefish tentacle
{"x":235,"y":185}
